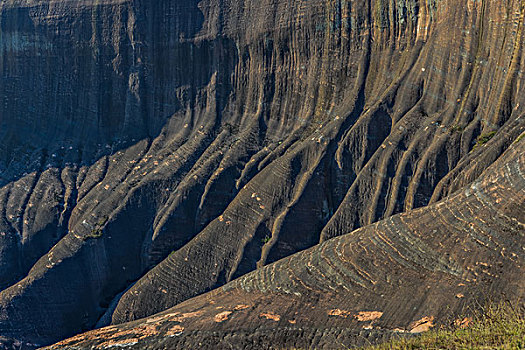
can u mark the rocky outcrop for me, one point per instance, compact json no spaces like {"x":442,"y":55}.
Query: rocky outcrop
{"x":403,"y":275}
{"x":171,"y":147}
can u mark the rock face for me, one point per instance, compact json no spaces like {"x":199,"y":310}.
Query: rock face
{"x":392,"y":277}
{"x":152,"y":151}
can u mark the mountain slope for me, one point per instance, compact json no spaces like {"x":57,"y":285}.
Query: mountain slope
{"x":407,"y":273}
{"x":171,"y":147}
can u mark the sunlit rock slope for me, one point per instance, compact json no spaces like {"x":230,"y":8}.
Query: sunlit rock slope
{"x":405,"y":274}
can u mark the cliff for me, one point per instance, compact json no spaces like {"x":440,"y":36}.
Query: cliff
{"x":403,"y":275}
{"x":152,"y":151}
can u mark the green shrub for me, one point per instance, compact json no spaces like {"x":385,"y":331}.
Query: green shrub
{"x":97,"y":231}
{"x":484,"y":138}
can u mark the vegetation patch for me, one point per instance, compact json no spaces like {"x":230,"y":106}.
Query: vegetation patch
{"x":484,"y":138}
{"x":499,"y":327}
{"x":519,"y":138}
{"x":456,"y":129}
{"x":97,"y":231}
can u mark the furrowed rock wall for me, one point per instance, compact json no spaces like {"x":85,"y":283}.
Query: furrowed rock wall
{"x":407,"y":274}
{"x":171,"y":147}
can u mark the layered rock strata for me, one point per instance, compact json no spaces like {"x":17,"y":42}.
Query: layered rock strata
{"x":154,"y":151}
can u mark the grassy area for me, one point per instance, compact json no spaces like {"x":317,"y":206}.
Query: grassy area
{"x":500,"y":327}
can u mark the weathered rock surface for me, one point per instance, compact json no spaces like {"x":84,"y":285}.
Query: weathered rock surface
{"x":405,"y":274}
{"x":170,"y":147}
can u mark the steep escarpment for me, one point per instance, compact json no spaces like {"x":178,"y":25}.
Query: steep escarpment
{"x":171,"y":147}
{"x":81,"y":79}
{"x":405,"y":274}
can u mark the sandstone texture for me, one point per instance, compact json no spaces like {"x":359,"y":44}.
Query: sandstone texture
{"x":154,"y":151}
{"x":405,"y":274}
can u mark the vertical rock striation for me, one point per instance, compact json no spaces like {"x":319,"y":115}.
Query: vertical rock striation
{"x":153,"y":151}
